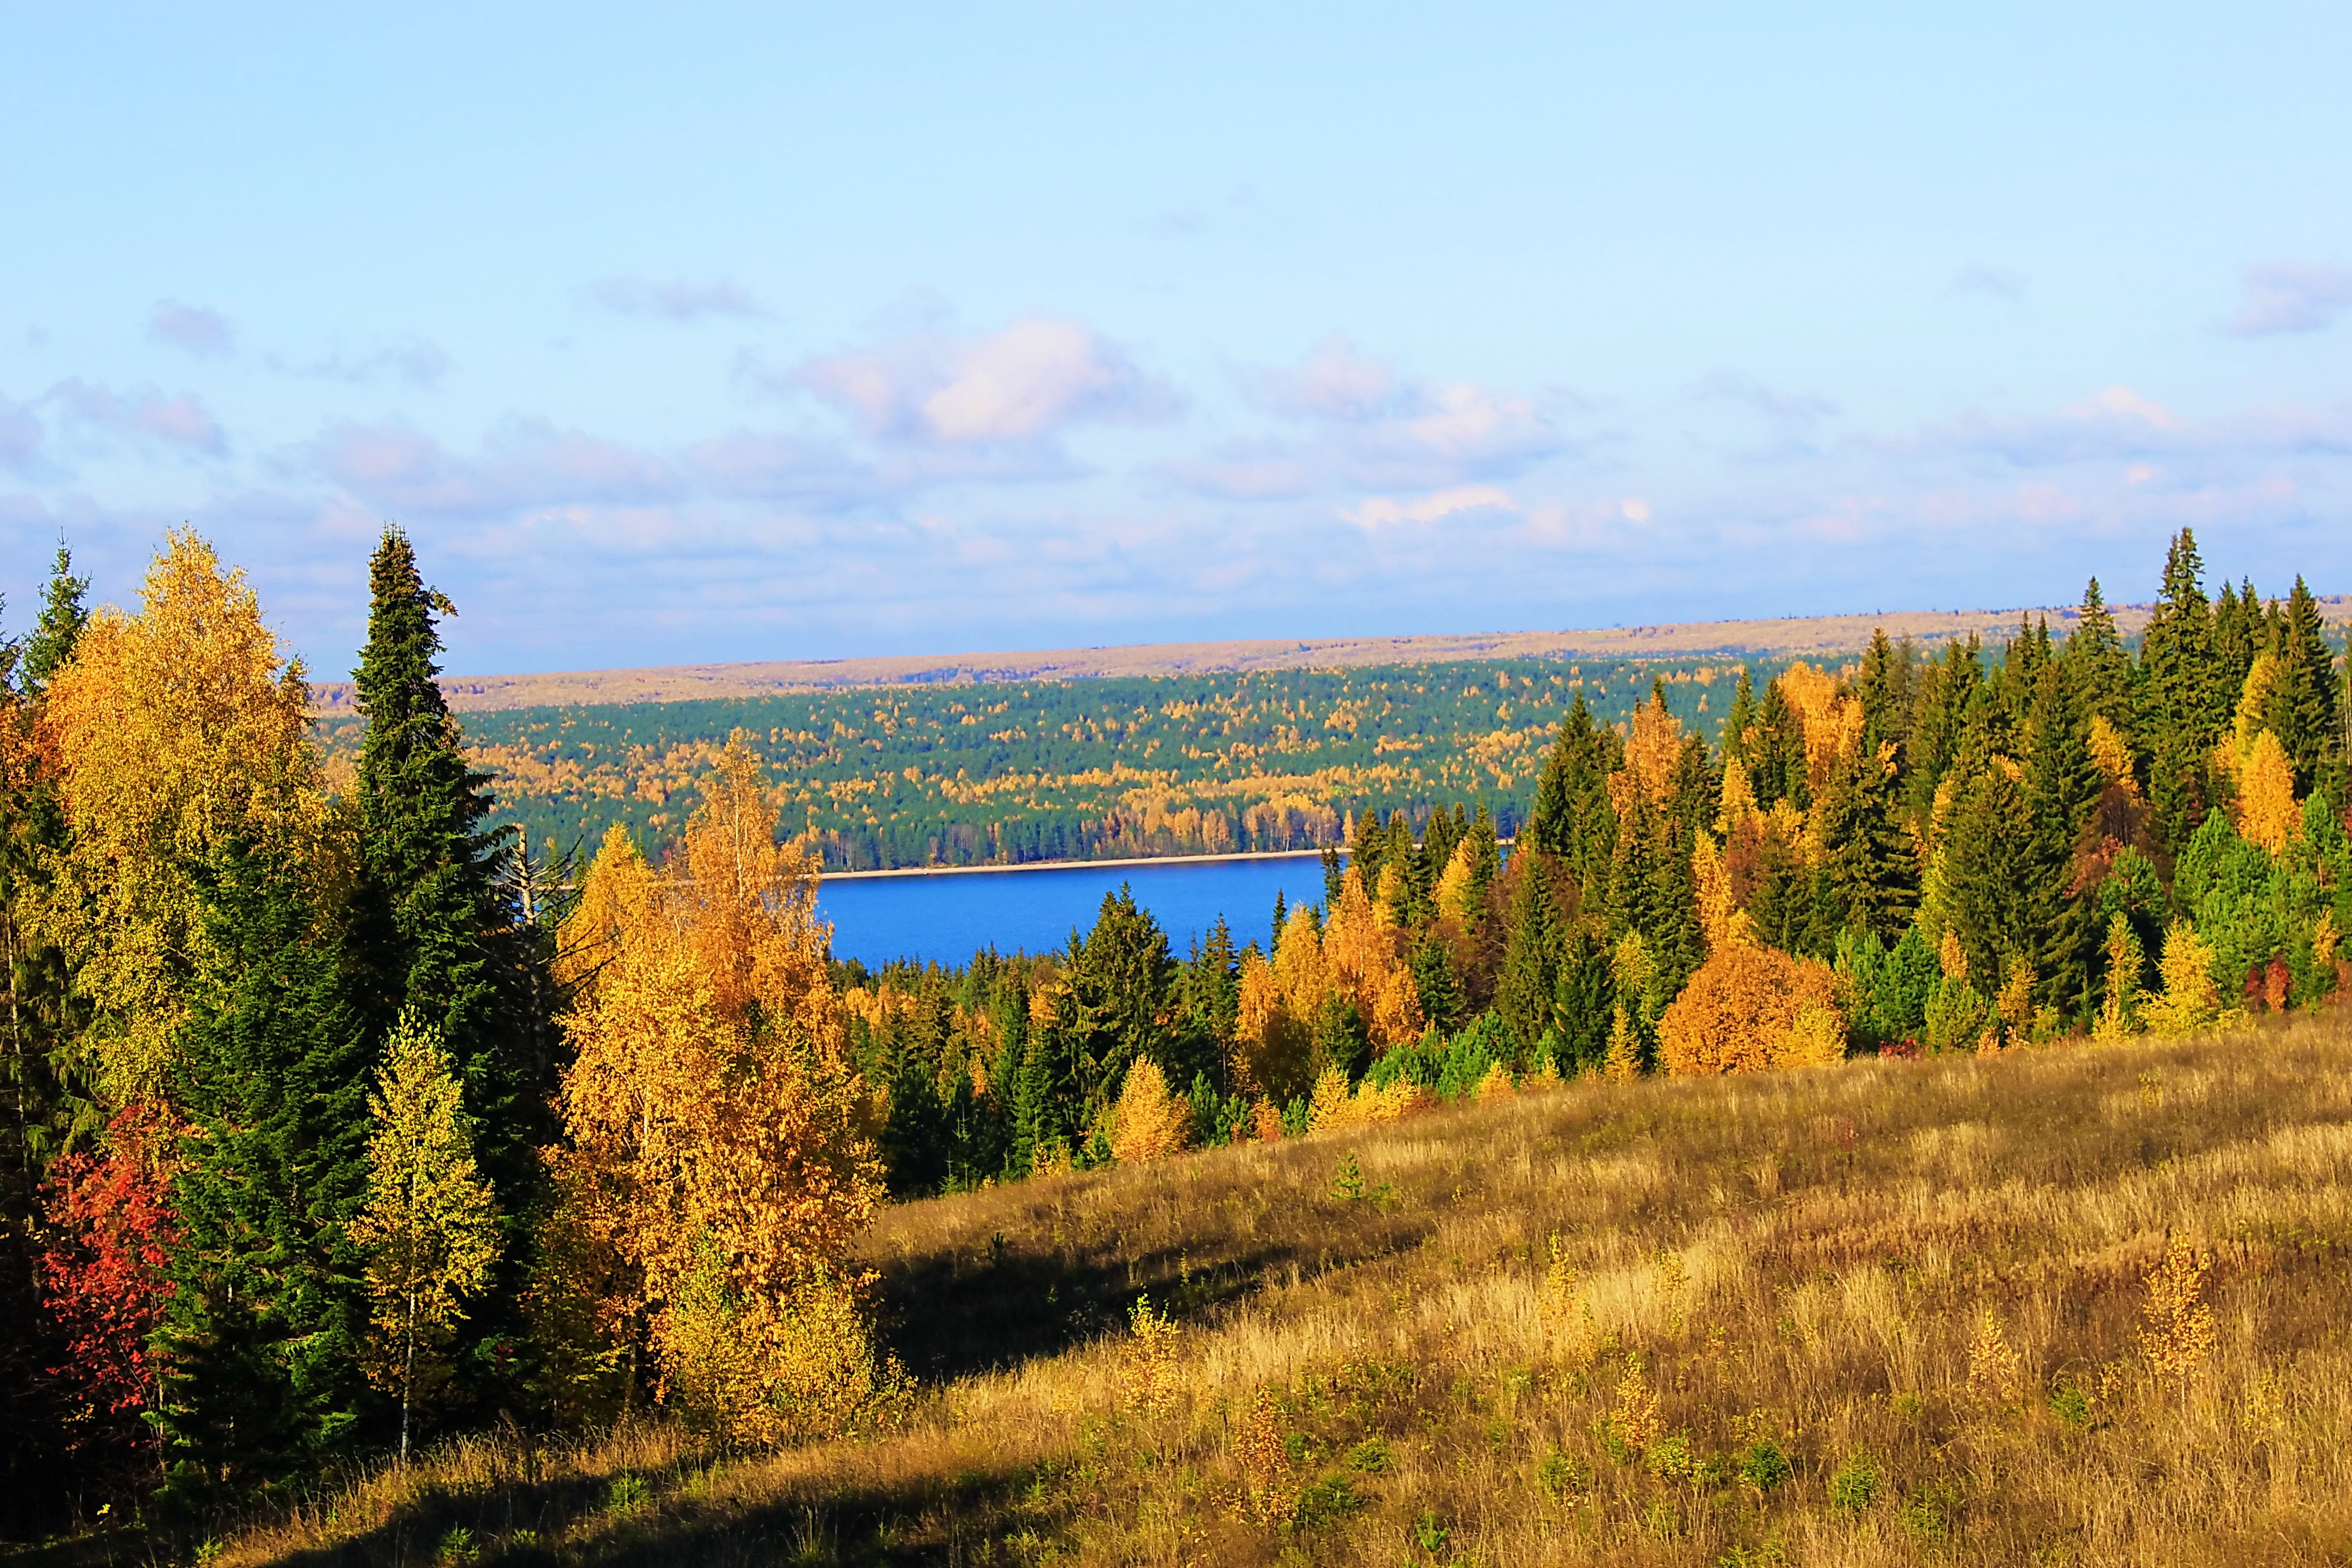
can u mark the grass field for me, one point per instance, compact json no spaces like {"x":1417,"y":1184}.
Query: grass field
{"x":1887,"y":1312}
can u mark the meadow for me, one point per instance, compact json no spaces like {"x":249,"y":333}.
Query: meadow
{"x":2056,"y":1304}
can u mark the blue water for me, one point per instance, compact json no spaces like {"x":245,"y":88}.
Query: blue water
{"x":947,"y":919}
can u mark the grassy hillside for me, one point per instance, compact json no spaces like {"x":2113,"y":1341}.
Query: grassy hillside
{"x":1889,"y":1312}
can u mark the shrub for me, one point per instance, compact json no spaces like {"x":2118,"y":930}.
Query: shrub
{"x":1764,"y":1469}
{"x":1855,"y":1485}
{"x":1561,"y":1476}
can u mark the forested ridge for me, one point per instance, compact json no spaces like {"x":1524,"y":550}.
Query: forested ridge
{"x":980,"y":773}
{"x":343,"y":1121}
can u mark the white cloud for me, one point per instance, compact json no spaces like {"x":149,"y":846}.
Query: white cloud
{"x":1385,"y":511}
{"x":202,"y":333}
{"x":142,"y":412}
{"x":675,"y":299}
{"x":415,"y":362}
{"x":1025,"y":383}
{"x":2290,"y":297}
{"x":524,"y":464}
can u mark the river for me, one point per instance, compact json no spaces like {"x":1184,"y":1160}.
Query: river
{"x":947,"y":916}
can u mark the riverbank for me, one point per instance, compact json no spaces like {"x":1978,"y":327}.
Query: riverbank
{"x":1078,"y":865}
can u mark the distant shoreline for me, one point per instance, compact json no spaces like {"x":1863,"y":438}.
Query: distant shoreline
{"x":1075,"y":865}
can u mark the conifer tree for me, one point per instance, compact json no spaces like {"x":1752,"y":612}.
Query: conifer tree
{"x":915,"y":1140}
{"x":2096,"y":662}
{"x":1883,"y":688}
{"x":62,"y":619}
{"x":1874,"y":879}
{"x":1437,"y":986}
{"x":1209,"y":1005}
{"x":2062,"y":785}
{"x":2302,"y":711}
{"x":1485,"y":856}
{"x":1117,"y":1004}
{"x":1742,"y":715}
{"x":263,"y":1335}
{"x":430,"y":1227}
{"x":1523,"y":993}
{"x":428,"y":904}
{"x":2183,"y":700}
{"x":1573,"y":820}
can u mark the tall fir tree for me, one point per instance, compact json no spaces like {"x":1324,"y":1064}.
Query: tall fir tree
{"x":2183,"y":697}
{"x":2096,"y":662}
{"x":2062,"y":787}
{"x":262,"y":1337}
{"x":428,"y":912}
{"x":63,"y":617}
{"x":2302,"y":709}
{"x":1525,"y":991}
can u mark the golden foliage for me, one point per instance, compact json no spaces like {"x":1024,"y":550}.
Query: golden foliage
{"x":2268,"y":812}
{"x":1360,"y":961}
{"x":1741,"y":1012}
{"x":1149,"y":1122}
{"x":430,"y":1226}
{"x":174,"y":731}
{"x":1951,"y":957}
{"x":1725,"y":923}
{"x":2119,"y":1009}
{"x":1264,"y":1462}
{"x":1332,"y":1104}
{"x":1496,"y":1084}
{"x":2111,"y":753}
{"x":1994,"y":1368}
{"x":2177,"y":1332}
{"x":1739,"y":799}
{"x":1651,"y":749}
{"x":1153,"y":1380}
{"x":717,"y":1134}
{"x":1453,"y":897}
{"x":1833,"y":723}
{"x":2191,"y":1001}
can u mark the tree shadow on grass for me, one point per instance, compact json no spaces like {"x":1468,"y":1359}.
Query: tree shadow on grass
{"x":948,"y":1317}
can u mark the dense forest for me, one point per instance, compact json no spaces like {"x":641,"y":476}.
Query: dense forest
{"x":341,"y":1120}
{"x":965,"y":775}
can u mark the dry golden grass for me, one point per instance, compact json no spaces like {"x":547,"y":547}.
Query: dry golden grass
{"x":1579,"y":1326}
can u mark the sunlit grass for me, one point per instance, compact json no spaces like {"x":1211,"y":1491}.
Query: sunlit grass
{"x":1882,"y":1312}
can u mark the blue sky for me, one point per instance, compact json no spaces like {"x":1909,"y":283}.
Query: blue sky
{"x":709,"y":332}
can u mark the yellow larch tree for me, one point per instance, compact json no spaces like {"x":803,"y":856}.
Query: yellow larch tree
{"x":1750,"y":1008}
{"x":2268,"y":812}
{"x":719,"y":1154}
{"x":174,"y":730}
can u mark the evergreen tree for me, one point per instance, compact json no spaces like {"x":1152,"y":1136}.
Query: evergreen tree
{"x":1777,"y":768}
{"x":2183,"y":698}
{"x":55,"y":634}
{"x":1209,"y":1009}
{"x":1437,"y":986}
{"x":1573,"y":820}
{"x":428,"y":903}
{"x":1735,"y":723}
{"x":2302,"y":710}
{"x":1117,"y":1007}
{"x":1485,"y":856}
{"x":1523,"y":993}
{"x":916,"y":1143}
{"x":1584,"y":1000}
{"x":1883,"y":690}
{"x":262,"y":1337}
{"x":1940,"y":724}
{"x":2063,"y":785}
{"x":2096,"y":663}
{"x":1874,"y":879}
{"x":1993,"y":837}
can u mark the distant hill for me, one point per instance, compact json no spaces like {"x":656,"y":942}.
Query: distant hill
{"x":1792,"y":638}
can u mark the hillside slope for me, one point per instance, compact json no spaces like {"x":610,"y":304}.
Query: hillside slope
{"x":1887,"y":1312}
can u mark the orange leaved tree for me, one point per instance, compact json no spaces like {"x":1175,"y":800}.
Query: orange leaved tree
{"x":174,"y":730}
{"x":1750,"y":1007}
{"x":719,"y":1154}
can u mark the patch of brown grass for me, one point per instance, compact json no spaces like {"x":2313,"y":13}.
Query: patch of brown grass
{"x":1579,"y":1326}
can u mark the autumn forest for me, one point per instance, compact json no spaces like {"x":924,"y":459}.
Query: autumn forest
{"x":375,"y":1084}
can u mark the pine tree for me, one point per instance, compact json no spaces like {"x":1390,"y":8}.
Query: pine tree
{"x":2183,"y":699}
{"x":427,"y":902}
{"x":1209,"y":1007}
{"x":915,"y":1140}
{"x":2302,"y":710}
{"x":2096,"y":662}
{"x":59,"y":627}
{"x":1117,"y":1007}
{"x":1742,"y":715}
{"x":2062,"y":787}
{"x":430,"y":1228}
{"x":262,"y":1339}
{"x":1874,"y":879}
{"x":1883,"y":688}
{"x":1523,"y":993}
{"x":1437,"y":986}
